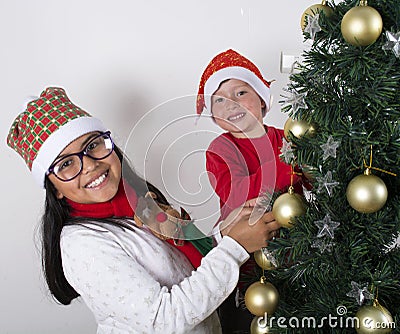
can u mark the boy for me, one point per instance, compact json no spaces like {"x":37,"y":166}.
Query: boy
{"x":233,"y":89}
{"x":243,"y":163}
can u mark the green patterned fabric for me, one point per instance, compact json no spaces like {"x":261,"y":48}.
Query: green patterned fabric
{"x":41,"y":118}
{"x":203,"y":243}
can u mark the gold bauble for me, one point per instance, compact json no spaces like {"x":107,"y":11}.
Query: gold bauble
{"x":262,"y":260}
{"x":288,"y":206}
{"x":361,"y":25}
{"x":299,"y":128}
{"x":261,"y":297}
{"x":313,"y":10}
{"x":366,"y":193}
{"x":374,"y":319}
{"x":259,"y":326}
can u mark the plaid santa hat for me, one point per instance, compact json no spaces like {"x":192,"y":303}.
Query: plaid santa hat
{"x":230,"y":65}
{"x":46,"y":127}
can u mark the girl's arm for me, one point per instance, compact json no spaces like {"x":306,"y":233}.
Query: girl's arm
{"x":122,"y":292}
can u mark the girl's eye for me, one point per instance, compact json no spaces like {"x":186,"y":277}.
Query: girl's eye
{"x":91,"y":146}
{"x":241,"y":93}
{"x":64,"y":164}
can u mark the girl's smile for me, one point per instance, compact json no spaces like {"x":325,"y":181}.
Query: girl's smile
{"x":98,"y":181}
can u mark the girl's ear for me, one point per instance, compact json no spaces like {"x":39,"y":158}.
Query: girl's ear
{"x":59,"y":195}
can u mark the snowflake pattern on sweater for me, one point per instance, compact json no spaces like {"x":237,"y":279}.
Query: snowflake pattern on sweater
{"x":134,"y":282}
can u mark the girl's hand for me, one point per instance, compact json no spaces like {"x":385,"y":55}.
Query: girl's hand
{"x":240,"y":226}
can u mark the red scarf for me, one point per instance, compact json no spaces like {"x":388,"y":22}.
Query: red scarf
{"x":119,"y":206}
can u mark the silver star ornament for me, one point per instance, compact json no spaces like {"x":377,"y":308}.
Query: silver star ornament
{"x":359,"y":292}
{"x":295,"y":100}
{"x":270,"y":256}
{"x":395,"y":244}
{"x":327,"y":183}
{"x":329,"y":148}
{"x":287,"y":154}
{"x":393,"y":42}
{"x":326,"y":227}
{"x":312,"y":25}
{"x":323,"y":245}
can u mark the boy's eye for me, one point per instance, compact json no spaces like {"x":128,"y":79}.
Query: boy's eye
{"x":218,"y":100}
{"x":241,"y":93}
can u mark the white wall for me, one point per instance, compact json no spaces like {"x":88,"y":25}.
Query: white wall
{"x":119,"y":60}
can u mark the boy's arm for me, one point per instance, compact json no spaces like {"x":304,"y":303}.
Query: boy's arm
{"x":229,"y":174}
{"x":230,"y":178}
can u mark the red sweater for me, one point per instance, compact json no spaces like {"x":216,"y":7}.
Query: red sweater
{"x":240,"y":169}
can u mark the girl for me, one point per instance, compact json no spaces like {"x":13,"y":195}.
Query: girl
{"x":133,"y":278}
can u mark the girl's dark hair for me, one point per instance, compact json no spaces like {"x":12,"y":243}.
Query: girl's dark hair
{"x":57,"y":215}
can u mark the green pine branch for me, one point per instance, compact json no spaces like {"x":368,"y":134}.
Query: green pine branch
{"x":352,"y":94}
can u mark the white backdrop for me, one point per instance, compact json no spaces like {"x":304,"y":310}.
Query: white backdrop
{"x":118,"y":60}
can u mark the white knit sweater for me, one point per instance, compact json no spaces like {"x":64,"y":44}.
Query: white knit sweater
{"x":136,"y":283}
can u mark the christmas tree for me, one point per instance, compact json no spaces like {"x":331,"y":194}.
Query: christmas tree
{"x":339,"y":260}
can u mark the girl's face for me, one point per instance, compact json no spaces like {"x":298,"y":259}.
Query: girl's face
{"x":99,"y":180}
{"x":237,"y":108}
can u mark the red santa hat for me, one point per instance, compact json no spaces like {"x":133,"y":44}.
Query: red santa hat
{"x":46,"y":127}
{"x":230,"y":65}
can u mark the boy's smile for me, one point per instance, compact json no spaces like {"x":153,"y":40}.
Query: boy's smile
{"x":237,"y":108}
{"x":236,"y":117}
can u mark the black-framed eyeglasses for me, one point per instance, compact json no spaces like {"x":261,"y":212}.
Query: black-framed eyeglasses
{"x":70,"y":166}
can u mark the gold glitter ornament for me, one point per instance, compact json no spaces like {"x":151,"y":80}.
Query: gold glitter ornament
{"x":262,"y":260}
{"x":366,"y":193}
{"x":313,"y":10}
{"x":261,"y":297}
{"x":374,"y":319}
{"x":259,"y":326}
{"x":288,"y":206}
{"x":361,"y":25}
{"x":298,"y":128}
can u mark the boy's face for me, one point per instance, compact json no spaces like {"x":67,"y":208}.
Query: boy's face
{"x":237,"y":108}
{"x":98,"y":181}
